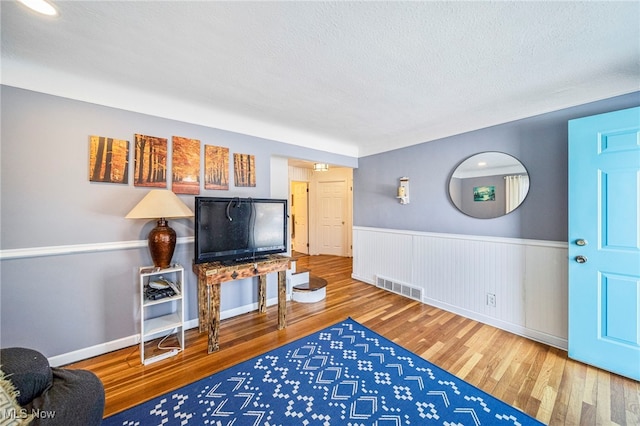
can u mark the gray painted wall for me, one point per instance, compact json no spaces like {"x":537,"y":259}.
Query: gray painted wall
{"x":539,"y":142}
{"x":59,"y":304}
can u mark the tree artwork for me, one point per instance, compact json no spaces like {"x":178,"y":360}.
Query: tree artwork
{"x":185,"y":170}
{"x":244,"y":169}
{"x":108,"y":160}
{"x":216,"y":167}
{"x":150,"y":161}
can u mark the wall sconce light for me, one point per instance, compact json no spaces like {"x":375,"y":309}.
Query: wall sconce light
{"x":403,"y":190}
{"x":320,"y":167}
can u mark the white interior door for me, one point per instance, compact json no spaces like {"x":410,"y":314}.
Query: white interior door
{"x":332,"y":217}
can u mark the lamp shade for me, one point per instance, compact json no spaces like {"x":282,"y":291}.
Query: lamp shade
{"x":160,"y":203}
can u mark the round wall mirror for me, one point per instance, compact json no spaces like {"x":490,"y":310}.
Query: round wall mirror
{"x":489,"y":185}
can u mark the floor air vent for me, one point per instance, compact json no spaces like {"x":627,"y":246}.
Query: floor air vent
{"x":402,"y":289}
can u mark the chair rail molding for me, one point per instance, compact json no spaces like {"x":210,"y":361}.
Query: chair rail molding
{"x":62,"y":250}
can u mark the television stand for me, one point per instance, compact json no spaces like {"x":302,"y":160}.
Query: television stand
{"x":211,"y":275}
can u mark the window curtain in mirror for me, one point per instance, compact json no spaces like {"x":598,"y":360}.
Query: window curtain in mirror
{"x":516,"y":187}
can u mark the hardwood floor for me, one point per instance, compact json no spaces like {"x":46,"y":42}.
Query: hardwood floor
{"x":534,"y":377}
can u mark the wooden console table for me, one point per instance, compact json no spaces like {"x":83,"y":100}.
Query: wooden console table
{"x":212,"y":275}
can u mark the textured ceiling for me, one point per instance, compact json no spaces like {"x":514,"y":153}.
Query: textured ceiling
{"x":355,"y":78}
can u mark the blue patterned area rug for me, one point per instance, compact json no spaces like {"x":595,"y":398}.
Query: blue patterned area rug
{"x":345,"y":374}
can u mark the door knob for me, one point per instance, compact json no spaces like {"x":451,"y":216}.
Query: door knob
{"x":581,"y":242}
{"x":581,"y":259}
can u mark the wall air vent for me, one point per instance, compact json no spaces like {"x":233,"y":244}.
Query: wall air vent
{"x":403,"y":289}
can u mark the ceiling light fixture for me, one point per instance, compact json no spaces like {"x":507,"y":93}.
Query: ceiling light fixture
{"x":40,"y":6}
{"x":320,"y":167}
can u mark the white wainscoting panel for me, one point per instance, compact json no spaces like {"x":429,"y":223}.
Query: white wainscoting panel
{"x":388,"y":254}
{"x":462,"y":272}
{"x":527,"y":279}
{"x":545,"y":295}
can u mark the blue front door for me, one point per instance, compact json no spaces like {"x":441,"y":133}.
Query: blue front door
{"x":604,"y":241}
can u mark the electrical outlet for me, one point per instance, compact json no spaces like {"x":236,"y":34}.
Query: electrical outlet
{"x":491,"y":300}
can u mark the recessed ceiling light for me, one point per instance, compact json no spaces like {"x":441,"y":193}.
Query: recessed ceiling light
{"x":40,"y":6}
{"x":482,"y":163}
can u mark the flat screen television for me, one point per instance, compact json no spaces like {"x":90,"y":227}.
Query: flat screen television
{"x":239,"y":229}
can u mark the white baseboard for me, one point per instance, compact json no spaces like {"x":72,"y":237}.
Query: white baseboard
{"x":92,"y":351}
{"x":114,"y":345}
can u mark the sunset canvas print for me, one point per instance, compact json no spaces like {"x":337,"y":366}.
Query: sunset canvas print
{"x":186,"y":165}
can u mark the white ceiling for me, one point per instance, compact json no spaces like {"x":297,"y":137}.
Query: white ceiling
{"x":356,"y":78}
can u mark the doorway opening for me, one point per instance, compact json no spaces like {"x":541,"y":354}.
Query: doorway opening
{"x":321,"y":206}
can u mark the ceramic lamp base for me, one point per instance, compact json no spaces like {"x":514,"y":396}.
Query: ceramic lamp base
{"x":162,"y":243}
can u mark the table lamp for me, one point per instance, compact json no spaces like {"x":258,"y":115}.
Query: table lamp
{"x":160,"y":204}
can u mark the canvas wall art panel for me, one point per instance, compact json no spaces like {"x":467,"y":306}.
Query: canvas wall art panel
{"x":108,"y":160}
{"x":244,"y":169}
{"x":216,"y":167}
{"x":150,"y":161}
{"x":185,"y":168}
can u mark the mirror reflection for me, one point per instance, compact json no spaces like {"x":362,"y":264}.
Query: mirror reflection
{"x":489,"y":185}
